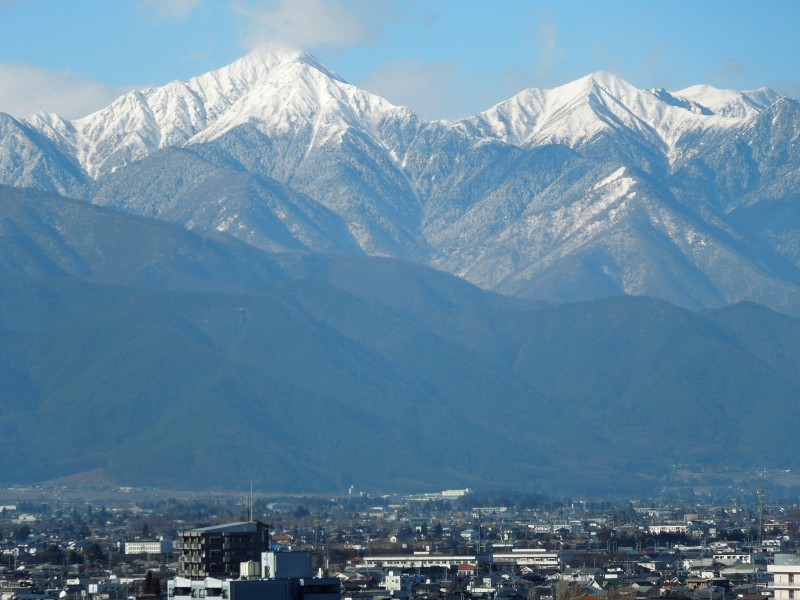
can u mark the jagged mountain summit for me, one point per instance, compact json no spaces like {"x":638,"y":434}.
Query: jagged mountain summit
{"x":282,"y":91}
{"x":578,"y":113}
{"x":588,"y":190}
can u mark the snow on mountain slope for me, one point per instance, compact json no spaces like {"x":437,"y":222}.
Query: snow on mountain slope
{"x":580,"y":111}
{"x":285,"y":119}
{"x":179,"y":186}
{"x":622,"y":235}
{"x":689,"y":105}
{"x":141,"y":122}
{"x":298,"y":94}
{"x":276,"y":88}
{"x":30,"y":159}
{"x":293,"y":91}
{"x":732,"y":104}
{"x":546,"y":232}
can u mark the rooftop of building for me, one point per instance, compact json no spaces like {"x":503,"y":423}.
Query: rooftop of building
{"x":238,"y":527}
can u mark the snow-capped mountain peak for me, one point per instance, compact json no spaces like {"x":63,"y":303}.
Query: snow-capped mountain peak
{"x":577,"y":112}
{"x":298,"y":94}
{"x":278,"y":89}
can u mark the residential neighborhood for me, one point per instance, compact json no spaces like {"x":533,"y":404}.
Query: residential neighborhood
{"x":454,"y":544}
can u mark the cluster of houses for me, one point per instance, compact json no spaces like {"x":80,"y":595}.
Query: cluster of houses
{"x":698,"y":573}
{"x":408,"y":551}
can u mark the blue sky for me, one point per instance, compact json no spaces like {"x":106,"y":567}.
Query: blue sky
{"x":444,"y":58}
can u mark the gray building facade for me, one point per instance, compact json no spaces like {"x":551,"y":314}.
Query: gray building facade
{"x":219,"y":550}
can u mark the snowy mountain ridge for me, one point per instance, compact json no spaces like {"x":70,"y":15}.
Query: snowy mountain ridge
{"x":288,"y":90}
{"x":140,"y":122}
{"x":729,"y":103}
{"x":578,"y":111}
{"x":590,"y":189}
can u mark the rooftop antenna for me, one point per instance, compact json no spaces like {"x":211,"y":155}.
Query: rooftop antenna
{"x":761,"y":515}
{"x":251,"y":500}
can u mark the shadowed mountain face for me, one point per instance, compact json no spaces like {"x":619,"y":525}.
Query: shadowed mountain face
{"x":591,"y":190}
{"x":171,"y":358}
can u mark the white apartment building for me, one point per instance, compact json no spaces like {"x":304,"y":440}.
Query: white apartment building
{"x":667,"y":528}
{"x":786,"y":576}
{"x":148,"y":547}
{"x":730,"y":557}
{"x":523,"y":557}
{"x":533,"y":557}
{"x":424,"y":559}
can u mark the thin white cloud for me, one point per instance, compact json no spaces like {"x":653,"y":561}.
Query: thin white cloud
{"x":312,"y":24}
{"x":788,"y":87}
{"x":544,"y":39}
{"x":172,"y":10}
{"x":425,"y":88}
{"x":437,"y":90}
{"x":653,"y":68}
{"x":549,"y":52}
{"x":27,"y":90}
{"x":731,"y":74}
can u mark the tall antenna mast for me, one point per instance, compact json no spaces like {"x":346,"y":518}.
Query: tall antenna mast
{"x":251,"y":500}
{"x":761,"y":515}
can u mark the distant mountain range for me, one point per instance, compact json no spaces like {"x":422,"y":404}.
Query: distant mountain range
{"x":162,"y":357}
{"x":265,"y":273}
{"x":589,"y":190}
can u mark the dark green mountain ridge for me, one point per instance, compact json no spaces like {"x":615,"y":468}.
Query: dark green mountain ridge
{"x":173,"y":359}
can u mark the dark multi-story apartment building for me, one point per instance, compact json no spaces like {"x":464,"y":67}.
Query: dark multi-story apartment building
{"x":217,"y":551}
{"x":282,"y":576}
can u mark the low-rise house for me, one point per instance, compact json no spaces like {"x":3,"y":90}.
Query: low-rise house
{"x":485,"y":586}
{"x":398,"y":583}
{"x":730,"y":557}
{"x":581,"y":575}
{"x":466,"y":569}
